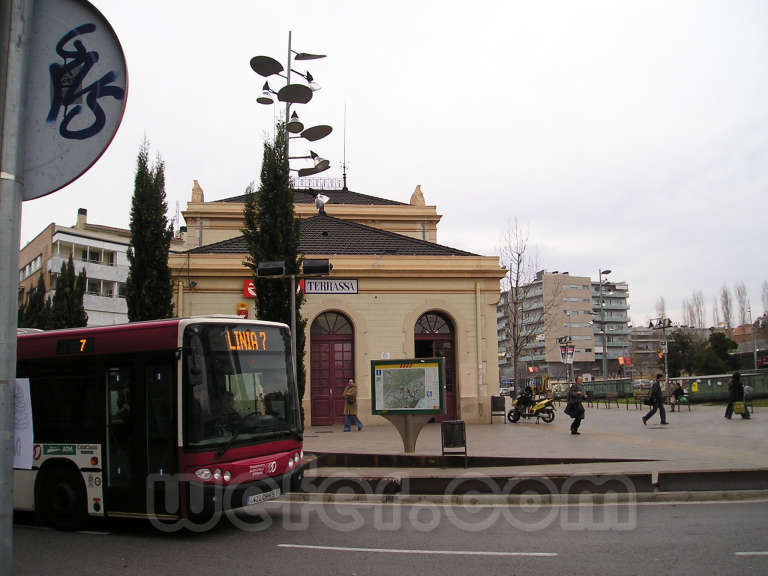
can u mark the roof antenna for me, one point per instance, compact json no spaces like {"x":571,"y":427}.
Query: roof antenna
{"x":344,"y":164}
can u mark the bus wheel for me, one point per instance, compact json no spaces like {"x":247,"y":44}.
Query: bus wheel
{"x":62,"y":498}
{"x":296,"y":481}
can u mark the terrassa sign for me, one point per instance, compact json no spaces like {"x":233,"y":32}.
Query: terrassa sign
{"x":330,"y":286}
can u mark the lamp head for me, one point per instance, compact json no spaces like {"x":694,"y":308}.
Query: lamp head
{"x":294,"y":126}
{"x":266,"y":95}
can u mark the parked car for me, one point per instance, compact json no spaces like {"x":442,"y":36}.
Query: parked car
{"x":640,"y":384}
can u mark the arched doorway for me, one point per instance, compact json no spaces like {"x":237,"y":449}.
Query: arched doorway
{"x":433,"y":338}
{"x":331,"y":364}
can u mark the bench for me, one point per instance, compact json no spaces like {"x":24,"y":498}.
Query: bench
{"x":683,"y":400}
{"x":610,"y":398}
{"x":638,"y":397}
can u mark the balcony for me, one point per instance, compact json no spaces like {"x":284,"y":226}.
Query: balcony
{"x":92,"y":269}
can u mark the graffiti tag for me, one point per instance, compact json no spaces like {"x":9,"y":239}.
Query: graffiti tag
{"x":67,"y":85}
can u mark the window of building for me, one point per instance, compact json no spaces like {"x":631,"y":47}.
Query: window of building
{"x":109,"y":258}
{"x":93,"y":287}
{"x":122,"y":290}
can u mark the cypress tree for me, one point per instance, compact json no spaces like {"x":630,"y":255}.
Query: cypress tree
{"x":35,"y":312}
{"x":149,"y":293}
{"x":66,"y":308}
{"x":272,"y":233}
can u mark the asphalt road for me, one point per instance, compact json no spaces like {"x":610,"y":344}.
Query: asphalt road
{"x":362,"y":539}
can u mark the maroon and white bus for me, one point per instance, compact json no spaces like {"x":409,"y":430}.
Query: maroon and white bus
{"x":168,"y":419}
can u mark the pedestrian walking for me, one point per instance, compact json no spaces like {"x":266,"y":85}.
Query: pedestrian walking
{"x":574,"y":408}
{"x":350,"y":406}
{"x":736,"y":394}
{"x":657,"y":401}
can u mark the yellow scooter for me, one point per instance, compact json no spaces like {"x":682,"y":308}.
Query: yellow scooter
{"x":527,"y":407}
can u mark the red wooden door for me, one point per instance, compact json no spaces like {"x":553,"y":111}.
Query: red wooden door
{"x":433,"y":338}
{"x":331,"y":366}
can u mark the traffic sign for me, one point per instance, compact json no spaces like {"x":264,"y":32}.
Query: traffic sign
{"x":77,"y":84}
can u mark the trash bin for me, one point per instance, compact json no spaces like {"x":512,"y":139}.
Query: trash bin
{"x":498,"y":408}
{"x":454,"y":437}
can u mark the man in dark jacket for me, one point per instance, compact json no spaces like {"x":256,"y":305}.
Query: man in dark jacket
{"x":574,"y":408}
{"x":657,"y":401}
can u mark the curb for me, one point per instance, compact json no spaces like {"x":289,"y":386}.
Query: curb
{"x":484,"y":500}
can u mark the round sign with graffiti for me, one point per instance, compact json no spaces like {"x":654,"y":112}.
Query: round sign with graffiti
{"x":77,"y":84}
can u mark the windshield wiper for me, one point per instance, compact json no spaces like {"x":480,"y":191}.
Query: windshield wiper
{"x":235,"y":434}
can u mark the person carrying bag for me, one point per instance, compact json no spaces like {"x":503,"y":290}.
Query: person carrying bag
{"x":574,"y":408}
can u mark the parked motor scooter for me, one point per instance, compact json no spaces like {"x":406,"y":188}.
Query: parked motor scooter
{"x":525,"y":406}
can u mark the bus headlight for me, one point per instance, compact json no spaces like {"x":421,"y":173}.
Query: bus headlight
{"x":203,"y":474}
{"x":290,"y":464}
{"x":217,"y":474}
{"x":296,"y":458}
{"x":227,"y":476}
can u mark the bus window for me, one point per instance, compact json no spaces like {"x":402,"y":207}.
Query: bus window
{"x":119,"y":425}
{"x":161,"y":431}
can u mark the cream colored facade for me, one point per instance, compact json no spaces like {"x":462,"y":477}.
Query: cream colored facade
{"x":394,"y":291}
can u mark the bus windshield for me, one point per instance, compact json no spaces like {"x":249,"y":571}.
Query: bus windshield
{"x":238,"y":385}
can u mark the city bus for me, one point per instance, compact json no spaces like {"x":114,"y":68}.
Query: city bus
{"x":176,"y":420}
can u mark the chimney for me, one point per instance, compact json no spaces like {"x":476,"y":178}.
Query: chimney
{"x":82,"y":218}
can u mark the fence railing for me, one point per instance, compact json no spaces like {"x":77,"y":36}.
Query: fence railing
{"x":711,"y":388}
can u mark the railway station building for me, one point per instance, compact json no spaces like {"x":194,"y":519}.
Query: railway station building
{"x":394,"y":293}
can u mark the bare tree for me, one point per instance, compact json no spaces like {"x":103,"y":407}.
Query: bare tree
{"x":521,"y":326}
{"x":726,"y":306}
{"x":765,"y":297}
{"x":688,"y":315}
{"x":741,"y":301}
{"x":699,"y":310}
{"x":715,"y":313}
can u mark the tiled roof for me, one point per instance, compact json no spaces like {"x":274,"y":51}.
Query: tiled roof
{"x":307,"y":196}
{"x":323,"y":234}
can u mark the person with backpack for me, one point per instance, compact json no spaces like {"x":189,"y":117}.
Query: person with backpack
{"x":656,"y":398}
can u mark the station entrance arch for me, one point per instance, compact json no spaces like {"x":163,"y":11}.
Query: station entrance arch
{"x":331,"y":366}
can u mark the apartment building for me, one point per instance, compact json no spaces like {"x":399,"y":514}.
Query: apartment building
{"x":562,"y":313}
{"x":100,"y":250}
{"x":611,"y":330}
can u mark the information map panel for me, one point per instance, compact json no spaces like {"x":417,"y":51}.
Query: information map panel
{"x":412,"y":386}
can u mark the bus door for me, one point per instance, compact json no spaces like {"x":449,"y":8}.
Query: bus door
{"x":161,"y":437}
{"x":123,"y":476}
{"x":141,"y":437}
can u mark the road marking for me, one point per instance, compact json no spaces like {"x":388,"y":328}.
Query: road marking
{"x":406,"y":551}
{"x":751,"y":553}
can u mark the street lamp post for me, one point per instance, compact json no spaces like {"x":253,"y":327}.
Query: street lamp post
{"x":662,"y":323}
{"x":600,"y":274}
{"x":293,"y":94}
{"x":754,"y":335}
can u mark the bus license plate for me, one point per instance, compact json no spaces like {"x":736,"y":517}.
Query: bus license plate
{"x":263,"y":496}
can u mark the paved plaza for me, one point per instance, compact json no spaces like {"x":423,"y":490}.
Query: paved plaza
{"x":699,"y":440}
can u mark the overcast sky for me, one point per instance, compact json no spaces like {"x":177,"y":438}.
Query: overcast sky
{"x":625,"y":135}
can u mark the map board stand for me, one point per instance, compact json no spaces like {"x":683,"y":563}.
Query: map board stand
{"x":408,"y":393}
{"x":409,"y":426}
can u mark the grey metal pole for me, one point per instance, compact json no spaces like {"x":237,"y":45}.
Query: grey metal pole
{"x":602,"y":326}
{"x":14,"y":38}
{"x":293,"y":326}
{"x":754,"y":335}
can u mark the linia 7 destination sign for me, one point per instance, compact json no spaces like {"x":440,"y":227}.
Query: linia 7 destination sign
{"x":413,"y":386}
